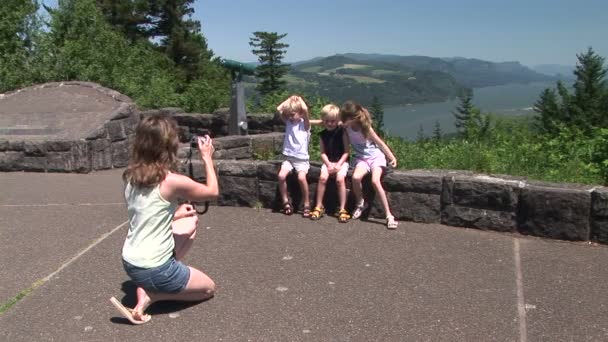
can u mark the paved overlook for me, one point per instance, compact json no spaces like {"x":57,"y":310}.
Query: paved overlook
{"x":286,"y":278}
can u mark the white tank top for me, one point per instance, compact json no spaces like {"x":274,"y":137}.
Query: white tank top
{"x":149,"y":242}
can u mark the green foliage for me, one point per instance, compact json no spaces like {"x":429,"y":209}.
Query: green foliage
{"x":463,"y":112}
{"x":586,"y":109}
{"x":377,"y":111}
{"x":18,"y":38}
{"x":513,"y":148}
{"x":270,"y":54}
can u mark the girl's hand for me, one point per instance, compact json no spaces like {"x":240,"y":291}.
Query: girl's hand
{"x":184,"y":210}
{"x":393,"y":163}
{"x":205,"y":146}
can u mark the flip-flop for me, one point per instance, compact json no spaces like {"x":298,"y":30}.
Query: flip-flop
{"x":128,"y":313}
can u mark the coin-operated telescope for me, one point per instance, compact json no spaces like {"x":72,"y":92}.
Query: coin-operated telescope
{"x":237,"y":123}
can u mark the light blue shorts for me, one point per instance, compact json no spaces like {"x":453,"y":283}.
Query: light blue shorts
{"x":170,"y":277}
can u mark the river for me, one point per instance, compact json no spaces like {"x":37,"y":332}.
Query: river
{"x":511,"y":99}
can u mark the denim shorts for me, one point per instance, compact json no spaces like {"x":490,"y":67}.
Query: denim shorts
{"x":170,"y":277}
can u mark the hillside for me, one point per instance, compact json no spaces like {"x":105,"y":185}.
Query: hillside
{"x":340,"y":78}
{"x":402,"y":79}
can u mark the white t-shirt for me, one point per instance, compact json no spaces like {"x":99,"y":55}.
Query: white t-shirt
{"x":295,"y":143}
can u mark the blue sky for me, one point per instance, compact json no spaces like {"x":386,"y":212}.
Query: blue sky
{"x":532,"y":32}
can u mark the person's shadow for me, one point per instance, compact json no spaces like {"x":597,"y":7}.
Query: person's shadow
{"x":129,"y":300}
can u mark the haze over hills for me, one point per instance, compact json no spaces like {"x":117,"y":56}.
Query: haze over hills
{"x":557,"y":70}
{"x":402,"y":79}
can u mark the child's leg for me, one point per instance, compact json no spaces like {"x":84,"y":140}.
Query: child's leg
{"x":321,"y":186}
{"x":184,"y":232}
{"x":341,"y":185}
{"x":358,"y":174}
{"x":199,"y":287}
{"x":286,"y":168}
{"x":376,"y":174}
{"x":304,"y":187}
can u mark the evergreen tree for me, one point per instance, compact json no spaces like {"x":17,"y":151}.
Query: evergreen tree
{"x":377,"y":112}
{"x":270,"y":54}
{"x":549,"y":112}
{"x":19,"y":27}
{"x":463,"y":112}
{"x":589,"y":91}
{"x":437,"y":133}
{"x":586,"y":108}
{"x":131,"y":17}
{"x":420,"y":137}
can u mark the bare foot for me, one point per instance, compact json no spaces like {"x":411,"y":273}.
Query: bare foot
{"x":143,"y":301}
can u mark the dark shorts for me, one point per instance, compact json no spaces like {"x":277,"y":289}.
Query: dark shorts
{"x":170,"y":277}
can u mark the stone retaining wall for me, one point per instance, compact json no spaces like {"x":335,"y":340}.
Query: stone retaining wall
{"x":104,"y":148}
{"x":217,"y":122}
{"x":454,"y":198}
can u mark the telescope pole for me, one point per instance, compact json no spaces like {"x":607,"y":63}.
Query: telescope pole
{"x":238,"y":117}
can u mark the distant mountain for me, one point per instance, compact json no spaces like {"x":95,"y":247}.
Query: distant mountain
{"x":403,"y":79}
{"x":470,"y":72}
{"x":557,"y":70}
{"x":340,"y":78}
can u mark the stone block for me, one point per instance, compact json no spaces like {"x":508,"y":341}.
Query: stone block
{"x":116,"y":130}
{"x":11,"y":161}
{"x":458,"y":216}
{"x":120,"y":153}
{"x":418,"y":181}
{"x":417,"y":207}
{"x":238,"y":191}
{"x":559,"y":213}
{"x":237,"y":168}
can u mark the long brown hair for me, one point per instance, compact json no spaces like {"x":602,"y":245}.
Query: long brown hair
{"x":154,"y":151}
{"x":351,"y":110}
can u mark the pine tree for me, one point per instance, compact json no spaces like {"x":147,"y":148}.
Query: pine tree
{"x":437,"y":133}
{"x":549,"y":112}
{"x":19,"y":26}
{"x":131,"y":17}
{"x":270,"y":54}
{"x":464,"y":110}
{"x":586,"y":108}
{"x":420,"y":137}
{"x":589,"y":91}
{"x":377,"y":112}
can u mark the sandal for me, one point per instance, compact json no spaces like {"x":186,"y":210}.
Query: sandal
{"x":317,"y":213}
{"x":360,"y":209}
{"x":128,"y":313}
{"x":391,"y":223}
{"x":306,"y":211}
{"x":343,"y":216}
{"x":287,"y":209}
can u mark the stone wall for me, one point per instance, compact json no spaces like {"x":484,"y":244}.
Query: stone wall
{"x":454,"y":198}
{"x":104,"y":148}
{"x":217,"y":122}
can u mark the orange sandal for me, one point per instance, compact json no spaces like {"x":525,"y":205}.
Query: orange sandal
{"x":343,"y":216}
{"x":317,"y":213}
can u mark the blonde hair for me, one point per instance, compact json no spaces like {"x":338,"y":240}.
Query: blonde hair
{"x":154,"y":151}
{"x":330,"y":111}
{"x":293,"y":104}
{"x":353,"y":111}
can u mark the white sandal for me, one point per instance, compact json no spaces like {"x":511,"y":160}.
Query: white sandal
{"x":391,"y":223}
{"x":359,"y":210}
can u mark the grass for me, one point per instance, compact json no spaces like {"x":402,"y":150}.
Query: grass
{"x":7,"y":305}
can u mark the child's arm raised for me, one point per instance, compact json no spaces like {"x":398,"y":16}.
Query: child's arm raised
{"x":392,"y":161}
{"x":305,"y":116}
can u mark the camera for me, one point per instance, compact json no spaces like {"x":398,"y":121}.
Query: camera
{"x":194,"y":139}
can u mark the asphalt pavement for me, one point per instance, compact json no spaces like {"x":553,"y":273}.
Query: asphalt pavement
{"x":286,"y":278}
